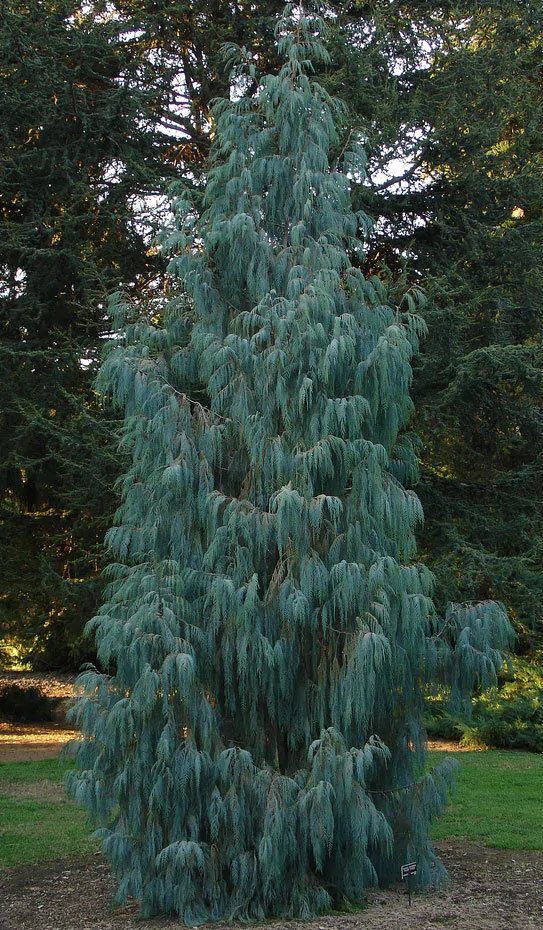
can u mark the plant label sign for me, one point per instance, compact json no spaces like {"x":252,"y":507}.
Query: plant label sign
{"x":410,"y":868}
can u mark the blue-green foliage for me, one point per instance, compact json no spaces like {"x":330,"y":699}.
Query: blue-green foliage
{"x":258,"y":748}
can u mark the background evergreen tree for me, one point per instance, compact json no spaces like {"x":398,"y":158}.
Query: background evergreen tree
{"x":462,"y":217}
{"x":258,"y":746}
{"x":72,"y":147}
{"x":479,"y":387}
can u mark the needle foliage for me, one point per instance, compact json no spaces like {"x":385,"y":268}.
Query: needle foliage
{"x":258,"y":747}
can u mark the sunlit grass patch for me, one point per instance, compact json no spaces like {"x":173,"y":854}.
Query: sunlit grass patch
{"x":498,"y":802}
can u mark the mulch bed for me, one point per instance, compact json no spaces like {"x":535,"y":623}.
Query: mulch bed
{"x":491,"y":889}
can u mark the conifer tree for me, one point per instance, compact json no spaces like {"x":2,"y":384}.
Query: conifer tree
{"x":76,"y":147}
{"x":257,"y":747}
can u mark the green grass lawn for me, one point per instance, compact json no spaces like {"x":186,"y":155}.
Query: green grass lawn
{"x":37,"y":819}
{"x":499,"y":802}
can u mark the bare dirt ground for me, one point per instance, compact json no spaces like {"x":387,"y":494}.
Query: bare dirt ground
{"x":491,"y":890}
{"x":31,"y":741}
{"x":23,"y":742}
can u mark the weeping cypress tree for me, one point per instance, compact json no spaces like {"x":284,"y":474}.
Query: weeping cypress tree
{"x":258,"y":745}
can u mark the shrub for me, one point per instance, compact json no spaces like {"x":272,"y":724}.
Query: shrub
{"x":25,"y":704}
{"x":509,"y":716}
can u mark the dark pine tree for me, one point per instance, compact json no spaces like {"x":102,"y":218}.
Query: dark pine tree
{"x":257,"y":747}
{"x":76,"y":149}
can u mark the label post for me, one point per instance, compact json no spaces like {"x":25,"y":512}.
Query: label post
{"x":409,"y":869}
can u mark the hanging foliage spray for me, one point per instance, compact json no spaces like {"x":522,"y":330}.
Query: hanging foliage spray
{"x":258,"y":748}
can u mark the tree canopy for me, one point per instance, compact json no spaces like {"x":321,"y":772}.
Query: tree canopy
{"x":70,"y":167}
{"x":257,"y":747}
